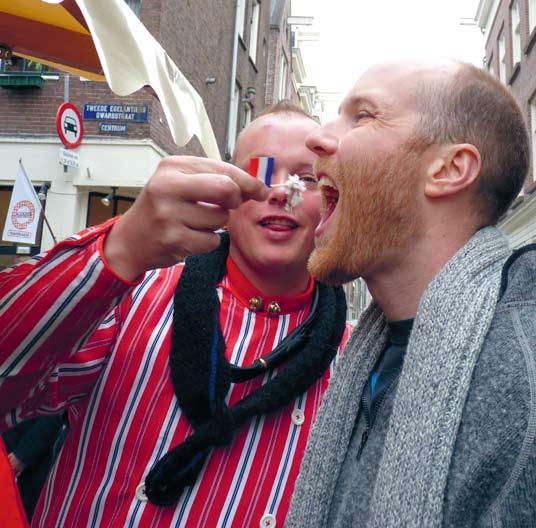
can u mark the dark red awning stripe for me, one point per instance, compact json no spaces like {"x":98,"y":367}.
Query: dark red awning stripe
{"x":49,"y":43}
{"x":72,"y":7}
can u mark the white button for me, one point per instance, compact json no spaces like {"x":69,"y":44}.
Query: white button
{"x":140,"y":492}
{"x":298,"y":417}
{"x":267,"y":521}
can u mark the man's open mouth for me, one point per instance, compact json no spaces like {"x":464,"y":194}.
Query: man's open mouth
{"x":330,"y":196}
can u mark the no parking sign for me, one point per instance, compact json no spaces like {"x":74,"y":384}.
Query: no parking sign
{"x":69,"y":125}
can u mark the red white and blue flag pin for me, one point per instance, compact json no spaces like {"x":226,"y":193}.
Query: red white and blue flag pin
{"x":262,"y":168}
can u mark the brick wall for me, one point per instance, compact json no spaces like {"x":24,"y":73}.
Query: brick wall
{"x":520,"y":78}
{"x":253,"y":72}
{"x":205,"y":50}
{"x":197,"y":34}
{"x":272,"y":73}
{"x":278,"y":45}
{"x":32,"y":111}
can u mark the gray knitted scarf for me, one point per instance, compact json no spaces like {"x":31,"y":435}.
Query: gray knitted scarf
{"x":452,"y":321}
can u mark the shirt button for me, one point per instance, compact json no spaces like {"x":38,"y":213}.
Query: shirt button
{"x":267,"y":521}
{"x":140,"y":492}
{"x":298,"y":417}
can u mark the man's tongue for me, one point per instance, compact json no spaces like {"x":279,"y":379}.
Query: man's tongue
{"x":278,"y":226}
{"x":330,"y":207}
{"x":326,"y":215}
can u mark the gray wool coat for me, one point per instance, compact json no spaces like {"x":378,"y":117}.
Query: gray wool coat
{"x":492,"y":477}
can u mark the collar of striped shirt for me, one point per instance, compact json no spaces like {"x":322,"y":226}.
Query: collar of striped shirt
{"x":245,"y":291}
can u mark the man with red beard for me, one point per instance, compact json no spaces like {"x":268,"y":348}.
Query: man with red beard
{"x":191,"y":388}
{"x":430,"y":419}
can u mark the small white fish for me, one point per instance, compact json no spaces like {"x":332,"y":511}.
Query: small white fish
{"x":295,"y":190}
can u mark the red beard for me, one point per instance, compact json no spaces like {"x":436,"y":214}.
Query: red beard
{"x":375,"y":218}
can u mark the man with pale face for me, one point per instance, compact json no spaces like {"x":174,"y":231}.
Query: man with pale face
{"x":430,"y":418}
{"x":192,"y":388}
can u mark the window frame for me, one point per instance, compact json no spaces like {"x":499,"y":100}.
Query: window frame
{"x":532,"y":106}
{"x":283,"y":76}
{"x":233,"y":116}
{"x":241,"y":21}
{"x":532,"y":15}
{"x":248,"y":115}
{"x":491,"y":65}
{"x":501,"y":42}
{"x":515,"y":9}
{"x":135,"y":5}
{"x":254,"y":30}
{"x":113,"y":206}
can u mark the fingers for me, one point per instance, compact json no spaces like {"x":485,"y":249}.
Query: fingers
{"x":219,"y":174}
{"x":204,"y":217}
{"x":211,"y":188}
{"x":176,"y":214}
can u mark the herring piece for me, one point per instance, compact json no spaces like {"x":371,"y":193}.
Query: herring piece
{"x":295,"y":190}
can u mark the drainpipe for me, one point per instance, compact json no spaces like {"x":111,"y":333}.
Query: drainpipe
{"x":232,"y":82}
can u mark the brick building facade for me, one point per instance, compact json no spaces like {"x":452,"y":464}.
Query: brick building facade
{"x":510,"y":30}
{"x":198,"y":36}
{"x":279,"y":79}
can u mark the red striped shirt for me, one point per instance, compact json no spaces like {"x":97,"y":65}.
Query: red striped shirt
{"x":77,"y":336}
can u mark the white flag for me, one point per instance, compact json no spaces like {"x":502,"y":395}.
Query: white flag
{"x":24,"y":211}
{"x":132,"y":58}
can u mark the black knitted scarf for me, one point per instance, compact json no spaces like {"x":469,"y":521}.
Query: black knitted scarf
{"x":202,"y":376}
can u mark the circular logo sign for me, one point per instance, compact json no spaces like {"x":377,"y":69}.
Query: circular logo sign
{"x":23,"y":214}
{"x":69,"y":125}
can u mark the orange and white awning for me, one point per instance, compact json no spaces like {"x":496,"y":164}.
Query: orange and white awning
{"x":104,"y":40}
{"x":53,"y":34}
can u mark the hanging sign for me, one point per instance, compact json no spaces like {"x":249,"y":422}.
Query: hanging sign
{"x":69,"y":125}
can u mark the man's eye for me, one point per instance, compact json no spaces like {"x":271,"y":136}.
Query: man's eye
{"x":310,"y":180}
{"x":363,"y":114}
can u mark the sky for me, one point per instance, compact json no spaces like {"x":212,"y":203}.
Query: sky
{"x":355,"y":34}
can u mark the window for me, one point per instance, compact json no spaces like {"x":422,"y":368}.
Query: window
{"x":532,"y":15}
{"x":502,"y":58}
{"x":364,"y":297}
{"x":241,"y":16}
{"x":254,"y":32}
{"x":283,"y":73}
{"x":97,"y":212}
{"x":491,"y":66}
{"x":247,"y":115}
{"x":515,"y":17}
{"x":533,"y":134}
{"x":233,"y":116}
{"x":357,"y":298}
{"x":135,"y":5}
{"x":18,"y":65}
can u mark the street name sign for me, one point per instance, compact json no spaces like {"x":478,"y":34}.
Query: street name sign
{"x":116,"y":112}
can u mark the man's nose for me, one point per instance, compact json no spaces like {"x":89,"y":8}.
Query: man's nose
{"x":278,"y":195}
{"x":323,"y":141}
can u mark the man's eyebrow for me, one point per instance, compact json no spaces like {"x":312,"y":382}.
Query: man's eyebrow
{"x":358,"y":100}
{"x":303,"y":166}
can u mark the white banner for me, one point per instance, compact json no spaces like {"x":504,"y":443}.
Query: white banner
{"x":132,"y":58}
{"x":24,"y":211}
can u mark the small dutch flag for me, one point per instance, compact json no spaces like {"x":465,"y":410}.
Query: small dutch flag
{"x":262,"y":168}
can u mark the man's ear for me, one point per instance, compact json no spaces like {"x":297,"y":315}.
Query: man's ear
{"x":453,"y":169}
